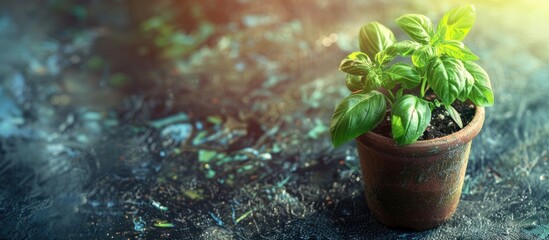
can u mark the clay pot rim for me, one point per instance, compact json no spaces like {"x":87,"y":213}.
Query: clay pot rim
{"x":426,"y":147}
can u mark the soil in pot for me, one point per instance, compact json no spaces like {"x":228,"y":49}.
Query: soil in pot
{"x":441,"y":123}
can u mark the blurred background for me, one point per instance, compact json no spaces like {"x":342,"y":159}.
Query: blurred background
{"x":205,"y":119}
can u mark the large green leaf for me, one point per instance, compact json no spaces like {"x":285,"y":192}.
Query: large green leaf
{"x":417,"y":26}
{"x":457,"y":49}
{"x":404,"y":48}
{"x":356,"y":63}
{"x":410,"y":117}
{"x":404,"y":74}
{"x":456,"y":23}
{"x":423,"y":55}
{"x":469,"y":84}
{"x":481,"y":93}
{"x":446,"y":78}
{"x":374,"y":37}
{"x":356,"y":115}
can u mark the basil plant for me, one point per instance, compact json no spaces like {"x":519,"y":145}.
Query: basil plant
{"x":440,"y":61}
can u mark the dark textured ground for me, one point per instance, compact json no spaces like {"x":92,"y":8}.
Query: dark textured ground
{"x":188,"y":120}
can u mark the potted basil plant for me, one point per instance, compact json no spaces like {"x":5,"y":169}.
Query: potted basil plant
{"x":412,"y":181}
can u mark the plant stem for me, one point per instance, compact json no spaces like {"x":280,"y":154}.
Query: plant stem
{"x":423,"y":87}
{"x":391,"y":95}
{"x":388,"y":99}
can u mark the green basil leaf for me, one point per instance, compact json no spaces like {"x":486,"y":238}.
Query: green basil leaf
{"x":454,"y":114}
{"x":445,"y":76}
{"x":439,"y":35}
{"x":417,"y":26}
{"x":356,"y":115}
{"x":481,"y":92}
{"x":456,"y":23}
{"x":469,"y":84}
{"x":423,"y":55}
{"x":457,"y":49}
{"x":374,"y":37}
{"x":359,"y":56}
{"x":353,"y":83}
{"x":410,"y":117}
{"x":357,"y":68}
{"x":403,"y":48}
{"x":357,"y":63}
{"x":404,"y":74}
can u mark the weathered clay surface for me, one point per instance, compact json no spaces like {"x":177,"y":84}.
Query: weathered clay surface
{"x":416,"y":186}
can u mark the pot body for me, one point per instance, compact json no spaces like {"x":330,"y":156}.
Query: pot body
{"x":416,"y":186}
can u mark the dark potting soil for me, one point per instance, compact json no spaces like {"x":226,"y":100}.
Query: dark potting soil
{"x":441,"y":123}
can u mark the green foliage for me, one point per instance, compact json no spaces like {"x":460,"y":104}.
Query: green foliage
{"x":456,"y":23}
{"x":440,"y":61}
{"x":445,"y":76}
{"x":354,"y":83}
{"x":481,"y":93}
{"x":410,"y":116}
{"x":454,"y":114}
{"x":374,"y":37}
{"x":423,"y":55}
{"x":356,"y":114}
{"x":356,"y":63}
{"x":457,"y":49}
{"x":404,"y":74}
{"x":469,"y":84}
{"x":418,"y":26}
{"x":403,"y":48}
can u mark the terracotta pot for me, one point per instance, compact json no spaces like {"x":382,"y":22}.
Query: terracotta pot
{"x":416,"y":186}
